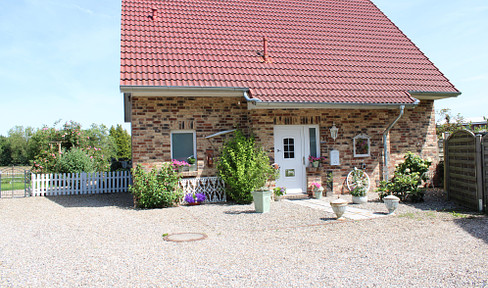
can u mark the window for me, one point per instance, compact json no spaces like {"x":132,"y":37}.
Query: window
{"x":289,"y":148}
{"x":361,"y":145}
{"x":183,"y":145}
{"x":313,"y":142}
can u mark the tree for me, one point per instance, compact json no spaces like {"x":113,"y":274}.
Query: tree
{"x":122,"y":141}
{"x":448,"y":123}
{"x":18,"y":138}
{"x":5,"y":151}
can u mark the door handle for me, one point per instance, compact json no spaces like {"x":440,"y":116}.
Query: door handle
{"x":278,"y":150}
{"x":303,"y":160}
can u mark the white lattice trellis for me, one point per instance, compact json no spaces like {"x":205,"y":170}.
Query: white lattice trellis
{"x":212,"y":187}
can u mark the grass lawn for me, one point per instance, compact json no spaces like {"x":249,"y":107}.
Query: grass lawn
{"x":6,"y":186}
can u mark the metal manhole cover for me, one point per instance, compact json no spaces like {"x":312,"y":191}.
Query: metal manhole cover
{"x":185,"y":237}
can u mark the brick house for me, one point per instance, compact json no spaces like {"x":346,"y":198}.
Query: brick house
{"x":286,"y":71}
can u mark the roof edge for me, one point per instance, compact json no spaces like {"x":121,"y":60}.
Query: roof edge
{"x":189,"y":91}
{"x":326,"y":105}
{"x":432,"y":95}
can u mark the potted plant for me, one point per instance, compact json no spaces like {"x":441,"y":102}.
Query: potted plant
{"x":194,"y":198}
{"x":192,"y":162}
{"x":314,"y":161}
{"x":358,"y":184}
{"x":278,"y":192}
{"x":244,"y":167}
{"x":359,"y":195}
{"x":180,"y":166}
{"x":317,"y":190}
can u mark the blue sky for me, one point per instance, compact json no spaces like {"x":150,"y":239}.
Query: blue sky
{"x":59,"y":59}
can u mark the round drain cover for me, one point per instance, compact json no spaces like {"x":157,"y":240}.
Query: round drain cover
{"x":185,"y":237}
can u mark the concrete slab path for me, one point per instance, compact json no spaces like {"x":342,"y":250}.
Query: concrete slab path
{"x":351,"y":212}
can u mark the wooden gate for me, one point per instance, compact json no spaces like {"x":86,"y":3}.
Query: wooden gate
{"x":463,"y":169}
{"x":484,"y":154}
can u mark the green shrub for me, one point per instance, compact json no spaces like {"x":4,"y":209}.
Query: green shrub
{"x":156,"y":188}
{"x":244,"y":167}
{"x":407,"y":179}
{"x":75,"y":161}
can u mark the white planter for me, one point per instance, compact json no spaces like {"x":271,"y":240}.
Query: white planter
{"x":391,"y":202}
{"x":339,"y":207}
{"x":359,"y":199}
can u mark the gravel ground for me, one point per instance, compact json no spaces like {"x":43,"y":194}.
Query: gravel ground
{"x":101,"y":241}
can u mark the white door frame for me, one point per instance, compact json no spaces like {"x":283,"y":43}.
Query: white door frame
{"x":305,"y":151}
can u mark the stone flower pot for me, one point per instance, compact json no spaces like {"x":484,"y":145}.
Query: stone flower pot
{"x":339,"y":207}
{"x":359,"y":199}
{"x":262,"y":201}
{"x":391,"y":202}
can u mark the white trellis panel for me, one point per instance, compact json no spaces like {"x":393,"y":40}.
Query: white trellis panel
{"x":212,"y":187}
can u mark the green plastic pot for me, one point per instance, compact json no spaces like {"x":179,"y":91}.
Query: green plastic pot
{"x":262,"y":201}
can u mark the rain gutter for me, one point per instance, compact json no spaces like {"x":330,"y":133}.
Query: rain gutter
{"x":385,"y":144}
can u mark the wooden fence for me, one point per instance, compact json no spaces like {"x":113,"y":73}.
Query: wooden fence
{"x":484,"y":155}
{"x":79,"y":183}
{"x":465,"y":181}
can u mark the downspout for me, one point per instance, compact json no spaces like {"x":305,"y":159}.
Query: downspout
{"x":385,"y":144}
{"x":252,"y":100}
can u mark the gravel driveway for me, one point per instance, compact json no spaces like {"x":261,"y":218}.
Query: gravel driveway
{"x":101,"y":241}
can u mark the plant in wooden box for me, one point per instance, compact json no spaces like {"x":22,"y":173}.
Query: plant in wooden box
{"x":317,"y":190}
{"x":194,"y":198}
{"x":192,"y":161}
{"x":358,"y":184}
{"x":278,"y":192}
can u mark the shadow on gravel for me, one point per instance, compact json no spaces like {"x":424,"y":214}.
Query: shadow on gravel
{"x":119,"y":200}
{"x":470,"y":221}
{"x":477,"y":226}
{"x":329,"y":219}
{"x":240,"y":212}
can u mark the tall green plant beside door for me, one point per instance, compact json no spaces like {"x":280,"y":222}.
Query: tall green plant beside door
{"x":244,"y":166}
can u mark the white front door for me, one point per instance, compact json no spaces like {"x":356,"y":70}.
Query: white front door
{"x":289,"y":154}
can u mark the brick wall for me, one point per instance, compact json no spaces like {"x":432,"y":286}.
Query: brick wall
{"x":415,"y":132}
{"x":154,"y":118}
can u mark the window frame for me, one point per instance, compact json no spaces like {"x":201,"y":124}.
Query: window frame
{"x":361,"y":136}
{"x":184,"y":132}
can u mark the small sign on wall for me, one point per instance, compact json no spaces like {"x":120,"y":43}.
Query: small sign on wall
{"x":334,"y":157}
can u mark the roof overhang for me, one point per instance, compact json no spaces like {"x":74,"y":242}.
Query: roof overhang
{"x":255,"y":103}
{"x":170,"y":91}
{"x":299,"y":105}
{"x":429,"y":95}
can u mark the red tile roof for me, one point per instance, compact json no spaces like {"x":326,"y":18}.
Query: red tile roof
{"x":328,"y":51}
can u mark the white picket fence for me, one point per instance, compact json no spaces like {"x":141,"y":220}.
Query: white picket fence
{"x":79,"y":183}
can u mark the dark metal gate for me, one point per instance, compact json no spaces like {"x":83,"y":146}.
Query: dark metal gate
{"x":14,"y":182}
{"x":464,"y":169}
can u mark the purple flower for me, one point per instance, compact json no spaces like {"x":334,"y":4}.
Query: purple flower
{"x":200,"y":197}
{"x":189,"y":198}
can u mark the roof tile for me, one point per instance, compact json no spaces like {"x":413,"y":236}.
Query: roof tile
{"x":339,"y":51}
